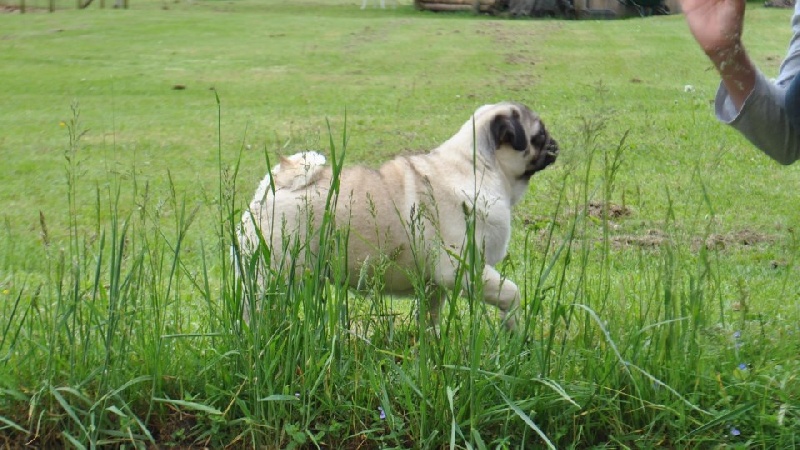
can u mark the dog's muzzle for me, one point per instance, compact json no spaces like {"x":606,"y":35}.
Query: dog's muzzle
{"x":547,"y":155}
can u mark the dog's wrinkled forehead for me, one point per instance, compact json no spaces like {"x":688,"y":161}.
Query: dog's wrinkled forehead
{"x":482,"y":110}
{"x":517,"y":110}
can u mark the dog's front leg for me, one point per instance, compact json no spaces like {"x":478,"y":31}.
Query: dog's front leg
{"x":501,"y":293}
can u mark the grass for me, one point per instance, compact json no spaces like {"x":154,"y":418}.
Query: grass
{"x":657,"y":258}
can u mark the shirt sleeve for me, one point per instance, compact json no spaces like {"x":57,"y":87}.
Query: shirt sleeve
{"x":762,"y":119}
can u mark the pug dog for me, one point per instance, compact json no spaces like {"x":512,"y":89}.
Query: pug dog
{"x":412,"y":214}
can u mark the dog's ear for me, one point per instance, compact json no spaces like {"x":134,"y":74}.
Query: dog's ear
{"x":507,"y":129}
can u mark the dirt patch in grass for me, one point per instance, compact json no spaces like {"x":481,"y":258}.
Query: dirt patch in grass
{"x":655,"y":238}
{"x":649,"y":239}
{"x":598,"y":210}
{"x":176,"y":429}
{"x":718,"y":241}
{"x":742,"y":238}
{"x":519,"y":59}
{"x":518,"y":49}
{"x":652,"y":238}
{"x":15,"y":9}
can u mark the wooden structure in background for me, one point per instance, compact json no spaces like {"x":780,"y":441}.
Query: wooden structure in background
{"x":571,"y":9}
{"x":478,"y":6}
{"x":614,"y":9}
{"x":22,"y":7}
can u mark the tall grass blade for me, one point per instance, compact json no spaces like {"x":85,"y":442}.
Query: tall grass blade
{"x":68,"y":409}
{"x":190,"y":405}
{"x":727,"y":417}
{"x":525,"y":418}
{"x":10,"y":424}
{"x":72,"y":440}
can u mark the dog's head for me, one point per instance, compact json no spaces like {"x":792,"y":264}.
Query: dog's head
{"x":517,"y":139}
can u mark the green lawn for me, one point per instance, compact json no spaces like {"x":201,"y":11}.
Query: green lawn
{"x":118,"y":320}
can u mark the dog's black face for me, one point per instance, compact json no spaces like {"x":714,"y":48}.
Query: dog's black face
{"x":523,"y":131}
{"x":547,"y":151}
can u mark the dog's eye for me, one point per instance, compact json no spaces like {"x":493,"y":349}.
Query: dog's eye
{"x":539,"y":139}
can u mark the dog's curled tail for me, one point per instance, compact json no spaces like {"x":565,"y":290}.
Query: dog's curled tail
{"x":294,"y":172}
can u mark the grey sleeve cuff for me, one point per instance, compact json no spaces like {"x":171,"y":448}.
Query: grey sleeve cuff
{"x":762,"y":120}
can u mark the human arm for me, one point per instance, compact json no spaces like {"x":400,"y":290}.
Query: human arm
{"x":717,"y":27}
{"x":762,"y":119}
{"x":746,"y":100}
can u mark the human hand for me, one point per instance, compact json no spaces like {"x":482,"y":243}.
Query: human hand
{"x":716,"y":24}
